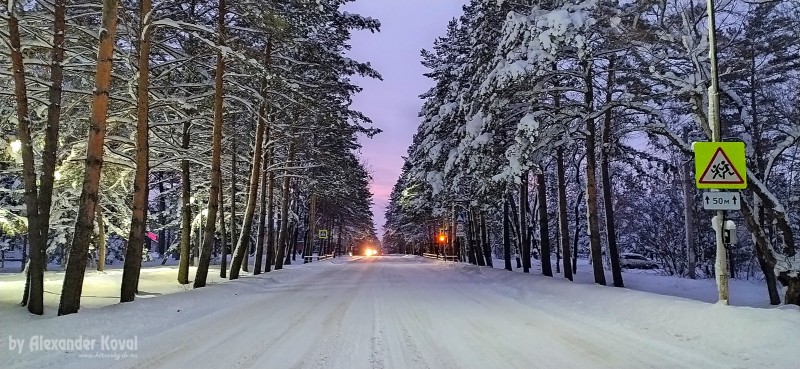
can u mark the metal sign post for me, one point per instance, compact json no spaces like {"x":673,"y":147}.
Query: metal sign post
{"x":716,"y":133}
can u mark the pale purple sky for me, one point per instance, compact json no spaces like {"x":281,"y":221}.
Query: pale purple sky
{"x":407,"y":26}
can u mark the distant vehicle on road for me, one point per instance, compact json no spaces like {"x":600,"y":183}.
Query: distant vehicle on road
{"x":636,"y":261}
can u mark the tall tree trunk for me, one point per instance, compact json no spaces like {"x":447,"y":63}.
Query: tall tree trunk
{"x":577,"y":214}
{"x":514,"y":225}
{"x":294,"y":229}
{"x":339,"y":238}
{"x":291,"y":247}
{"x":544,"y":227}
{"x":34,"y":298}
{"x":199,"y":241}
{"x":265,"y":163}
{"x":792,"y":283}
{"x":252,"y":197}
{"x":525,"y":242}
{"x":322,"y":243}
{"x":186,"y":209}
{"x":557,"y":251}
{"x":283,"y":237}
{"x":216,"y":160}
{"x":760,"y":167}
{"x":563,"y":221}
{"x":764,"y":259}
{"x":162,"y":207}
{"x":45,"y":193}
{"x":477,"y":243}
{"x":506,"y":238}
{"x":534,"y":242}
{"x":326,"y":245}
{"x":605,"y":174}
{"x":199,"y":233}
{"x":101,"y":240}
{"x":306,"y":236}
{"x":469,"y":238}
{"x":487,"y":248}
{"x":76,"y":263}
{"x":591,"y":182}
{"x":40,"y":198}
{"x":186,"y":195}
{"x":141,"y":187}
{"x":26,"y":264}
{"x":223,"y":263}
{"x":270,"y":215}
{"x":186,"y":247}
{"x":234,"y":235}
{"x":319,"y":243}
{"x":311,"y":223}
{"x":453,"y":227}
{"x":329,"y":242}
{"x":262,"y":213}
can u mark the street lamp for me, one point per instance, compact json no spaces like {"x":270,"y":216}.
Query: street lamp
{"x":16,"y":145}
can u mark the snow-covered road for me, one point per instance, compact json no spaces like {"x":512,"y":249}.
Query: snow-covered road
{"x":406,"y":312}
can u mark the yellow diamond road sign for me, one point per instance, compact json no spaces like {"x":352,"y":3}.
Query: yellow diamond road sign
{"x":720,"y":165}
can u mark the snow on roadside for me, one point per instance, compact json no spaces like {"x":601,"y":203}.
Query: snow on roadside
{"x":143,"y":317}
{"x":100,"y":289}
{"x":766,"y":336}
{"x":742,"y":292}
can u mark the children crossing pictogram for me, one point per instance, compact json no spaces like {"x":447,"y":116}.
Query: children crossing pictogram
{"x":720,"y":170}
{"x":720,"y":165}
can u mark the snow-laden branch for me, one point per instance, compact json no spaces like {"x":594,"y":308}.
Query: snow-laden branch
{"x":792,"y":139}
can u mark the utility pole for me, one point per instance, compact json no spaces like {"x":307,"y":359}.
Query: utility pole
{"x":716,"y":136}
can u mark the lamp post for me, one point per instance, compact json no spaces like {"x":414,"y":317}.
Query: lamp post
{"x":16,"y":146}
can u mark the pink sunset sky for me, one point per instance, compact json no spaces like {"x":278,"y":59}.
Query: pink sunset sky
{"x":407,"y":26}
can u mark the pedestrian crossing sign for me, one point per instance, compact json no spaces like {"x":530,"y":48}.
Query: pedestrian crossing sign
{"x":720,"y":165}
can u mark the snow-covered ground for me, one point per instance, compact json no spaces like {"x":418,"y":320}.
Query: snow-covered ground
{"x":751,"y":293}
{"x":408,"y":312}
{"x":100,"y":288}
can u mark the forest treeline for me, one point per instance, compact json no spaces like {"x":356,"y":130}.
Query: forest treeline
{"x":134,"y":127}
{"x":563,"y":129}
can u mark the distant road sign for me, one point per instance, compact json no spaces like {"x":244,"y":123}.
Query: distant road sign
{"x":460,"y":230}
{"x":323,"y":233}
{"x":721,"y":201}
{"x":720,"y":165}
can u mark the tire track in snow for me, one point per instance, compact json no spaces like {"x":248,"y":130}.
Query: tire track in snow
{"x":409,"y":315}
{"x":604,"y":345}
{"x":209,"y":337}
